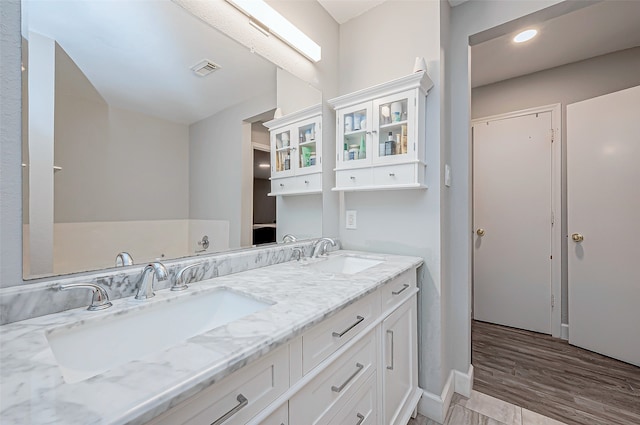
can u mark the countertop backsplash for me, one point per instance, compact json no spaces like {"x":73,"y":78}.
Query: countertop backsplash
{"x":30,"y":300}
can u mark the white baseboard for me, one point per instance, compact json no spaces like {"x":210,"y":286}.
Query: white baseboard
{"x":463,"y":382}
{"x":435,"y":406}
{"x":565,"y":331}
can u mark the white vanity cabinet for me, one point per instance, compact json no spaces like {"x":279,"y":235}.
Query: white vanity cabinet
{"x":358,"y":366}
{"x":296,"y":152}
{"x":381,"y":133}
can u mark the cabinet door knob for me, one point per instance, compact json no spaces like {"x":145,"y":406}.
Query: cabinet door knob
{"x":480,"y":232}
{"x":577,"y":237}
{"x":352,"y":177}
{"x":281,"y":184}
{"x":306,"y":182}
{"x":392,"y":175}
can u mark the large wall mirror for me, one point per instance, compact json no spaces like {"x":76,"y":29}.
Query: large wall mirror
{"x":140,"y":128}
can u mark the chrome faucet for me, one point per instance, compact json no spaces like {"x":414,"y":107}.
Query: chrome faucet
{"x":155,"y":269}
{"x":124,"y":259}
{"x":320,"y":247}
{"x":289,"y":238}
{"x":181,"y":278}
{"x":100,"y":299}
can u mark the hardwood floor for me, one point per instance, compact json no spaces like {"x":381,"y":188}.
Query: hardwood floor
{"x":548,"y":376}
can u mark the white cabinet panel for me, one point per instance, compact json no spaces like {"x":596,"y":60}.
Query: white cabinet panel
{"x":399,"y":363}
{"x":361,"y":408}
{"x":238,"y":397}
{"x":328,"y":392}
{"x":327,"y":337}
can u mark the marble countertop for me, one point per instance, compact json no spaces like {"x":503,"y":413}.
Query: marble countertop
{"x":33,"y":390}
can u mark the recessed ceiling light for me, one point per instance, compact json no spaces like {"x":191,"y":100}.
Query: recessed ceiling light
{"x":263,"y":165}
{"x":525,"y":36}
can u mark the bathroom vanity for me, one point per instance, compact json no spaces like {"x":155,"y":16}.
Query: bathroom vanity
{"x":325,"y":341}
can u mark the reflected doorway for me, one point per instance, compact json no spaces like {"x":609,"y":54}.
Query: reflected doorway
{"x":264,"y":206}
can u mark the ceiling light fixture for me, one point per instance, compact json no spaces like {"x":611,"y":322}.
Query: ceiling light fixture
{"x":525,"y":36}
{"x":279,"y":26}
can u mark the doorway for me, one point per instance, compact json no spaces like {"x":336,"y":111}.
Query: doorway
{"x":515,"y":260}
{"x":264,"y":206}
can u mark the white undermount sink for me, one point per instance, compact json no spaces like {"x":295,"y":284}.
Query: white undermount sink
{"x":94,"y":347}
{"x":345,"y":264}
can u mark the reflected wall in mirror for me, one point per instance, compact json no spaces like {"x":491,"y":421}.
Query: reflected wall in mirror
{"x":126,"y":147}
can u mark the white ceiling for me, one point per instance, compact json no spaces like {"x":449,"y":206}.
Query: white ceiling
{"x":585,"y":33}
{"x":344,"y":10}
{"x":138,"y":55}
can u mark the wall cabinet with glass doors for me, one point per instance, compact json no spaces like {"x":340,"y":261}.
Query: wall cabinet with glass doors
{"x":380,"y":135}
{"x":296,"y":152}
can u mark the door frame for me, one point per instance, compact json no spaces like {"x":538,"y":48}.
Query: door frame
{"x":556,"y":204}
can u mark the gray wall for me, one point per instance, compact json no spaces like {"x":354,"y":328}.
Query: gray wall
{"x":216,"y":165}
{"x":565,"y":84}
{"x":10,"y":145}
{"x":112,"y":158}
{"x":374,"y":48}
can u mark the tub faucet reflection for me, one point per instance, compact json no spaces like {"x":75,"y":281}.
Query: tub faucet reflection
{"x":153,"y":270}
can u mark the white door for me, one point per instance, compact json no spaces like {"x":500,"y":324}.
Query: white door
{"x":603,"y":201}
{"x":512,"y":221}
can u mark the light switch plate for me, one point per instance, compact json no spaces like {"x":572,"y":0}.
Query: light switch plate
{"x":350,"y":219}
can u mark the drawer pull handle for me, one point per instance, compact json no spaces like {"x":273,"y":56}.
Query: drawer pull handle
{"x":344,"y":384}
{"x":405,"y":286}
{"x":306,"y":182}
{"x":242,"y":402}
{"x":392,"y":174}
{"x":391,"y":333}
{"x":281,"y":185}
{"x":360,"y":418}
{"x":340,"y":334}
{"x":352,"y":177}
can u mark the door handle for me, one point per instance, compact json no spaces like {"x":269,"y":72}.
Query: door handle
{"x":480,"y":232}
{"x":577,"y":237}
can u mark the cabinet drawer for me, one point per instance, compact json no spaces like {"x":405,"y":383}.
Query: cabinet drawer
{"x":391,"y":175}
{"x":361,"y":408}
{"x":329,"y":392}
{"x":239,"y":396}
{"x":396,"y":291}
{"x":309,"y":182}
{"x":353,"y":178}
{"x":325,"y":338}
{"x":279,"y":417}
{"x":283,"y":185}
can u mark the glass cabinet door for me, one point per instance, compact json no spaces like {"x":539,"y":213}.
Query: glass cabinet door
{"x":394,"y":122}
{"x":283,"y":158}
{"x":309,"y":146}
{"x":354,"y":146}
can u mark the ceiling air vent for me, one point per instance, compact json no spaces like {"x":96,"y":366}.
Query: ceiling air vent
{"x":205,"y":67}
